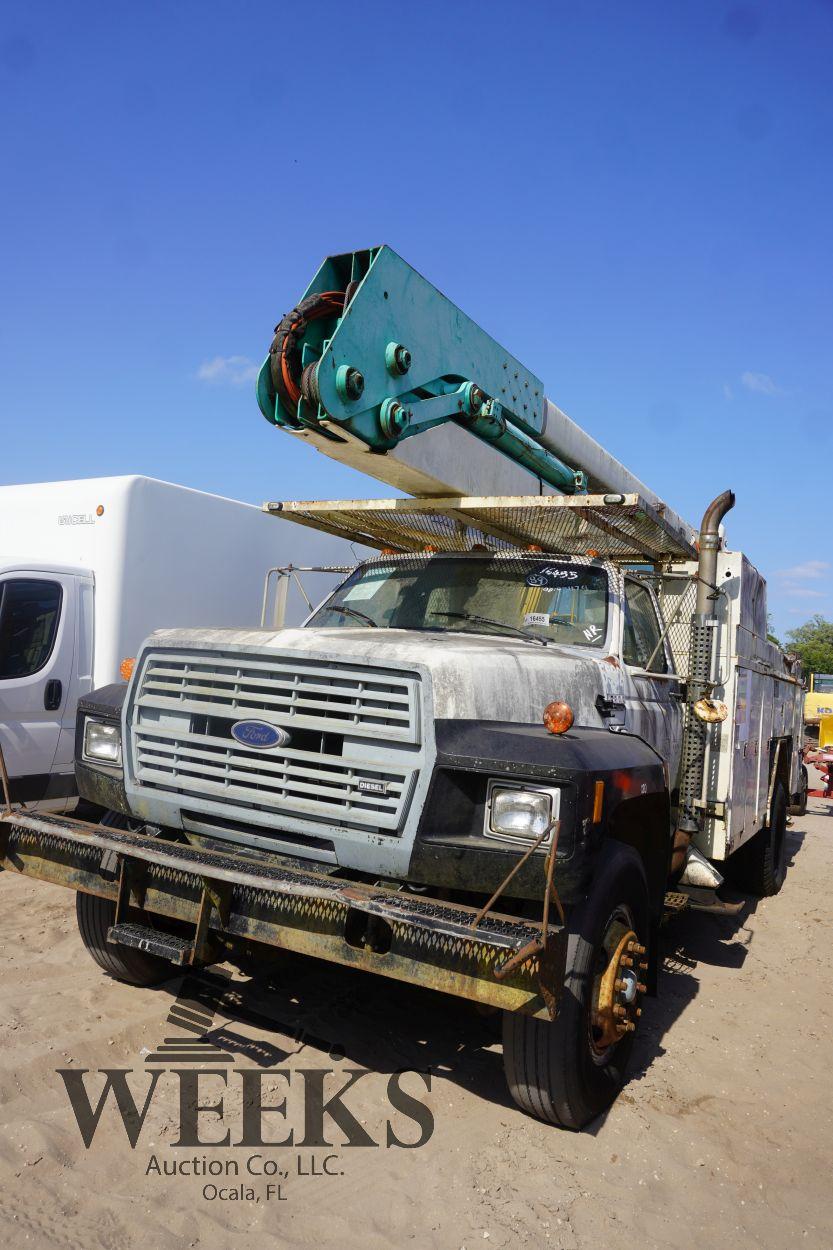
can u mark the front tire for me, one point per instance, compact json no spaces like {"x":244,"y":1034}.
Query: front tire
{"x":568,"y":1071}
{"x":95,"y":916}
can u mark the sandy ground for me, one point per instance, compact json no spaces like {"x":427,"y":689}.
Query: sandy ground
{"x":723,"y":1136}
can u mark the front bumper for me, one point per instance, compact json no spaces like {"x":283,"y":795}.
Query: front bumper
{"x":278,"y":902}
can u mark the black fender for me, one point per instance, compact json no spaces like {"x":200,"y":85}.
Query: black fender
{"x":632,"y":805}
{"x":100,"y":784}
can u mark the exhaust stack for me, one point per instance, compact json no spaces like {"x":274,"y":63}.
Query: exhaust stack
{"x":699,"y":684}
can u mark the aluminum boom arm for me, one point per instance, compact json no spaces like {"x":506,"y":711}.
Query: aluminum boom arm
{"x":374,"y":355}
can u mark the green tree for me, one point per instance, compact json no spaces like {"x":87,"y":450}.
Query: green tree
{"x":813,"y":644}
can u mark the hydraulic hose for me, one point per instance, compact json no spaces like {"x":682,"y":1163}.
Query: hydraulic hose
{"x":285,"y":352}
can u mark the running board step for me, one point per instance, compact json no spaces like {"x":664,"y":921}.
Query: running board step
{"x":175,"y":949}
{"x":692,"y":898}
{"x":708,"y":902}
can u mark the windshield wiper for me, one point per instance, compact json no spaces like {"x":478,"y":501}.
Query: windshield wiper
{"x":487,"y":620}
{"x":342,"y":607}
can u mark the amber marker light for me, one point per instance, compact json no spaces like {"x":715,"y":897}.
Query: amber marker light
{"x":558,"y":717}
{"x":598,"y":800}
{"x":126,"y":667}
{"x":100,"y":510}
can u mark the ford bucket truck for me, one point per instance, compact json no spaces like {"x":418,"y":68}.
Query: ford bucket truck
{"x":542,"y":713}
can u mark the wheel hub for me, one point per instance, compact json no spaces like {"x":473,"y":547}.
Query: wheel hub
{"x":619,"y":992}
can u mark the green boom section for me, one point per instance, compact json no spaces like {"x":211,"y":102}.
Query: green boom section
{"x":375,"y":351}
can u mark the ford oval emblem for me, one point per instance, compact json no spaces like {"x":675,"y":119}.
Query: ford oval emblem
{"x":258,"y":734}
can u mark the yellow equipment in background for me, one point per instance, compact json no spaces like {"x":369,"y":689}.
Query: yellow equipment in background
{"x":818,"y":701}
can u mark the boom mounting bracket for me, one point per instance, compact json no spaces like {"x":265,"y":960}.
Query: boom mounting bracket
{"x":376,"y":352}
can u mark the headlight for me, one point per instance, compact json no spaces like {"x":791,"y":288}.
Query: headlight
{"x":102,"y":742}
{"x":521,"y":814}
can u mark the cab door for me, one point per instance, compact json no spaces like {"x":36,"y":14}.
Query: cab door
{"x":37,"y":646}
{"x":651,"y":711}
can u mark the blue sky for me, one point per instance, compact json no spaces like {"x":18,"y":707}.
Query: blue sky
{"x":634,"y":198}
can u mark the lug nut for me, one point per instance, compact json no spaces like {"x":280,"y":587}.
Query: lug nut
{"x":349,"y":382}
{"x":393,"y":418}
{"x":354,"y":383}
{"x":620,"y":984}
{"x":641,"y":988}
{"x":397,"y":359}
{"x":619,"y":1010}
{"x":639,"y":1011}
{"x":476,"y":398}
{"x":644,"y":965}
{"x":626,"y":961}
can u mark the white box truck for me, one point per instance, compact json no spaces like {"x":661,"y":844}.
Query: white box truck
{"x":87,"y":570}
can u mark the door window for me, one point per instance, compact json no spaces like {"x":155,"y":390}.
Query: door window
{"x":642,"y":630}
{"x":29,"y":614}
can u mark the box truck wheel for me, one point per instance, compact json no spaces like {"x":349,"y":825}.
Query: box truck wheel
{"x":570,"y":1070}
{"x":124,"y":963}
{"x":760,"y":865}
{"x":799,"y":806}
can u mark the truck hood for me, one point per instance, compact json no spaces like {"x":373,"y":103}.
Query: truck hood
{"x":472,"y":676}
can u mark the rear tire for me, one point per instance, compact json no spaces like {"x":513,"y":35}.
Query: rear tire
{"x":760,"y":865}
{"x":554,"y":1070}
{"x":800,"y":808}
{"x":124,"y":963}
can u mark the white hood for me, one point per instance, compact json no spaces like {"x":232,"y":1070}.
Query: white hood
{"x":473,"y":676}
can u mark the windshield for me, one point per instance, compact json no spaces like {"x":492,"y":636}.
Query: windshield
{"x":823,"y":683}
{"x":541,"y":599}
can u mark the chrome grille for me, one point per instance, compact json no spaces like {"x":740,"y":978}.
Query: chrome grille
{"x":354,"y":736}
{"x":286,"y":691}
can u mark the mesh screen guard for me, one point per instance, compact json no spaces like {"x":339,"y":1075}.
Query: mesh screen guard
{"x":620,"y":528}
